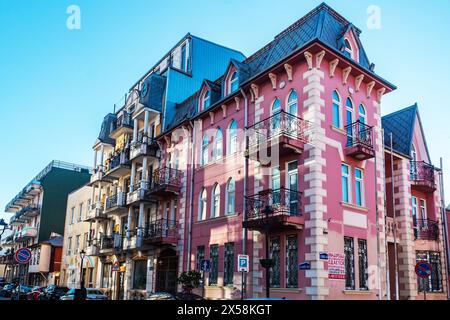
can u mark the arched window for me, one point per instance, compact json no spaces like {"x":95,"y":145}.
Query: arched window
{"x":362,"y":114}
{"x":206,"y":100}
{"x":230,"y":197}
{"x":349,"y":116}
{"x":203,"y":199}
{"x":205,"y":150}
{"x":336,"y":110}
{"x":348,"y":50}
{"x":215,"y":203}
{"x":275,"y":125}
{"x":218,"y":143}
{"x":232,"y":137}
{"x":292,"y":103}
{"x":233,"y":85}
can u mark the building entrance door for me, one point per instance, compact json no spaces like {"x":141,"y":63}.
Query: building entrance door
{"x":166,"y":276}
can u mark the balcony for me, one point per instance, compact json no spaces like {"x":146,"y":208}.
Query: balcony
{"x":109,"y":244}
{"x":27,"y":233}
{"x":140,"y":194}
{"x":116,"y":203}
{"x":98,"y":175}
{"x":279,"y":135}
{"x":422,"y":176}
{"x":162,"y":232}
{"x":92,"y":250}
{"x":426,"y":229}
{"x":118,"y":165}
{"x":166,"y":182}
{"x":359,"y":141}
{"x":276,"y":210}
{"x":30,"y":211}
{"x":17,"y":219}
{"x":96,"y":213}
{"x":123,"y":125}
{"x":144,"y":147}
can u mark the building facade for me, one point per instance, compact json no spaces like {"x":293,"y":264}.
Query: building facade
{"x":76,"y":241}
{"x":282,"y":156}
{"x":39,"y":213}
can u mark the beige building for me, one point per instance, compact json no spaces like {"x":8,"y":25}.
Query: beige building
{"x":76,"y":239}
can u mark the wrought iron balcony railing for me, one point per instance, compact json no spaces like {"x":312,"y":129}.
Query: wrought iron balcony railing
{"x":360,"y":143}
{"x":116,"y":200}
{"x":144,"y":146}
{"x":422,"y":173}
{"x":160,"y":229}
{"x":426,"y":229}
{"x":108,"y":242}
{"x":118,"y":159}
{"x":270,"y":203}
{"x":124,"y":121}
{"x":279,"y":124}
{"x":166,"y":178}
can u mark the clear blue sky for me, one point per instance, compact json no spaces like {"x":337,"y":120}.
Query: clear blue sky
{"x":57,"y":84}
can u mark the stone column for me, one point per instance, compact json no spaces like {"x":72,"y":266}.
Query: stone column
{"x":315,"y":209}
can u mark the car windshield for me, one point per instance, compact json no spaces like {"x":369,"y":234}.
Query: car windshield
{"x":70,"y":292}
{"x":94,"y":291}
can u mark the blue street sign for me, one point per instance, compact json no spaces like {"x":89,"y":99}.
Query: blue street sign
{"x":205,"y":265}
{"x":304,"y":266}
{"x":423,"y":269}
{"x":23,"y":256}
{"x":243,"y":263}
{"x":323,"y":256}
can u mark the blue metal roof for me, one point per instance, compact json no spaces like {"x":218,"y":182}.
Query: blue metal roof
{"x":401,"y":124}
{"x":106,"y":128}
{"x":155,"y":88}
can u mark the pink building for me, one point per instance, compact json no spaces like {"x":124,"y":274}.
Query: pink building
{"x":283,"y":158}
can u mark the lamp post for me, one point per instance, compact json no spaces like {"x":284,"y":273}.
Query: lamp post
{"x":267,"y":263}
{"x":82,"y":288}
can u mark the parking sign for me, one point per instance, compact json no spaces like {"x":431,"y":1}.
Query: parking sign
{"x":243,"y":263}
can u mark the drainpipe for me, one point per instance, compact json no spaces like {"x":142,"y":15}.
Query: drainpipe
{"x":377,"y":217}
{"x":445,"y":226}
{"x":191,"y":197}
{"x":244,"y":230}
{"x":395,"y":220}
{"x":388,"y":276}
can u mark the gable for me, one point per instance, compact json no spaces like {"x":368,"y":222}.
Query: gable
{"x":419,"y":142}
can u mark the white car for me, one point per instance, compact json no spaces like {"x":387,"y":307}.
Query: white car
{"x":92,"y":294}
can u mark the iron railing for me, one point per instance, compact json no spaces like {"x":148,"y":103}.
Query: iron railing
{"x":422,"y":171}
{"x":163,"y":228}
{"x":118,"y":159}
{"x":279,"y":124}
{"x":426,"y":229}
{"x":124,"y":120}
{"x":116,"y":200}
{"x":272,"y":203}
{"x":359,"y":134}
{"x":166,"y":176}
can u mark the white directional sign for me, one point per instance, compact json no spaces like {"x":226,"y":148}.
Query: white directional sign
{"x":243,"y":263}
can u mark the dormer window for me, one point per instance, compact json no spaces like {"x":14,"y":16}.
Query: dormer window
{"x":233,"y":85}
{"x":206,"y":100}
{"x":348,"y":49}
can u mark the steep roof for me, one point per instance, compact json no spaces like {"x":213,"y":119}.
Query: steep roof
{"x":401,"y":123}
{"x":106,"y":128}
{"x":322,"y":23}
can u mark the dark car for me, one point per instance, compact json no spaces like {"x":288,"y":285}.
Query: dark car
{"x":35,"y":293}
{"x":53,"y":292}
{"x":7,"y":291}
{"x":178,"y":296}
{"x":20,"y":292}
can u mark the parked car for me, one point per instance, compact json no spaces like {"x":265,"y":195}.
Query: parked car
{"x":178,"y":296}
{"x":6,"y":291}
{"x":20,"y":292}
{"x":35,"y":293}
{"x":91,"y":294}
{"x":53,"y":292}
{"x":2,"y":282}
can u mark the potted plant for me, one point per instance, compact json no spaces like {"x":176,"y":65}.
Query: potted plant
{"x":189,"y":280}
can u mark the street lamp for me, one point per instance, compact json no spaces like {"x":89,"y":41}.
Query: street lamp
{"x":267,"y":263}
{"x":82,"y":295}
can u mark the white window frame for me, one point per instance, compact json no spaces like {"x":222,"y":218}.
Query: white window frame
{"x":218,"y":144}
{"x":339,"y":104}
{"x":291,"y":103}
{"x":232,"y":81}
{"x":361,"y":180}
{"x":349,"y":184}
{"x":230,"y":192}
{"x":202,"y":205}
{"x":423,"y":209}
{"x":365,"y":113}
{"x":206,"y":97}
{"x":205,"y":151}
{"x":232,"y":138}
{"x":349,"y":48}
{"x":215,"y":201}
